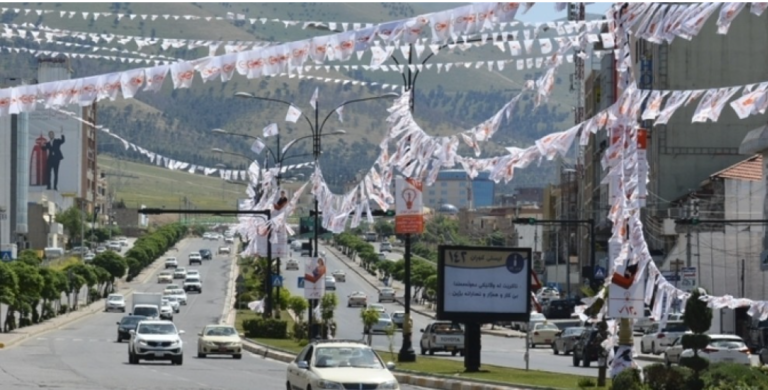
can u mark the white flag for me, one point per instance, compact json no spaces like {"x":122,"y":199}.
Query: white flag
{"x":340,"y":112}
{"x":293,"y":114}
{"x":257,"y":146}
{"x":313,"y":101}
{"x":270,"y":130}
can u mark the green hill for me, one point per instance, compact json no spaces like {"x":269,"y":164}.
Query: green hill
{"x":177,"y":123}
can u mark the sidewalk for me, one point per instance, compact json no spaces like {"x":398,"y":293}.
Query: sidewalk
{"x":417,"y":308}
{"x":8,"y":340}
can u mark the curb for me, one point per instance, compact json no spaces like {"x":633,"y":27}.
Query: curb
{"x":354,"y":268}
{"x":227,"y":316}
{"x":403,"y":377}
{"x":647,"y":358}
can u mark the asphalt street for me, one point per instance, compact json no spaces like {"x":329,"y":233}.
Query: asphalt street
{"x":500,"y":351}
{"x":85,"y":355}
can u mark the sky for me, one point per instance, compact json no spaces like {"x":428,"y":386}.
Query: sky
{"x":545,"y":12}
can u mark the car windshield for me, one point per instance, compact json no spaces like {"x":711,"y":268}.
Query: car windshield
{"x":537,"y":317}
{"x":156,"y":329}
{"x":178,"y":292}
{"x":358,"y":357}
{"x":192,"y":280}
{"x":220,"y":331}
{"x":384,"y":316}
{"x":115,"y":298}
{"x":727,"y":343}
{"x":679,"y":327}
{"x":178,"y":270}
{"x":398,"y":315}
{"x":171,"y":298}
{"x":145,"y":311}
{"x":546,"y":327}
{"x":130,"y":320}
{"x":387,"y":291}
{"x":170,"y":259}
{"x":573,"y":331}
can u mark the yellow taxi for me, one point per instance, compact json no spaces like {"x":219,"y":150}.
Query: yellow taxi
{"x":542,"y":333}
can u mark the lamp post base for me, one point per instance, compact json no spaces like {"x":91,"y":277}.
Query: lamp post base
{"x":406,"y":354}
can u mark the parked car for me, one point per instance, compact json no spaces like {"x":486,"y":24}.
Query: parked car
{"x":357,"y":298}
{"x":206,"y":254}
{"x":171,"y":262}
{"x":385,"y":247}
{"x":114,"y":246}
{"x":657,"y":339}
{"x":723,"y":348}
{"x":542,"y":333}
{"x":305,"y":253}
{"x":291,"y":264}
{"x":89,"y":257}
{"x":340,"y":276}
{"x":223,"y":250}
{"x":101,"y":249}
{"x":587,"y":348}
{"x":565,"y":340}
{"x":229,"y":240}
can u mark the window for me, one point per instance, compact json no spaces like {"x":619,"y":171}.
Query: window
{"x":443,"y":184}
{"x":431,"y":192}
{"x":443,"y":192}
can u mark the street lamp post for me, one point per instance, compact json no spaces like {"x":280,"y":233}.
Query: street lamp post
{"x":316,"y":128}
{"x":2,"y":218}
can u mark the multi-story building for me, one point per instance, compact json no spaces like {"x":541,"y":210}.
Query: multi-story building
{"x":456,"y":188}
{"x":14,"y":226}
{"x":682,"y":154}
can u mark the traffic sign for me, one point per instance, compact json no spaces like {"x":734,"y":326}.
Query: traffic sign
{"x":599,"y":272}
{"x":6,"y":255}
{"x":301,"y":282}
{"x":277,"y":281}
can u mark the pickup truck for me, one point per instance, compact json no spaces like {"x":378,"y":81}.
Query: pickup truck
{"x":442,"y":336}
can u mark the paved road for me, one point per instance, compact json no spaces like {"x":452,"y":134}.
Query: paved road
{"x":499,"y":351}
{"x":85,"y":356}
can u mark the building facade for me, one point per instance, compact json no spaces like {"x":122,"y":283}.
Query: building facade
{"x":456,"y":188}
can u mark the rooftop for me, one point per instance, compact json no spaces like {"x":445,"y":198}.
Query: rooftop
{"x":750,"y":169}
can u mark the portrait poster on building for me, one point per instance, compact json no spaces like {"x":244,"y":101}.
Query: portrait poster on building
{"x":56,"y":146}
{"x":314,"y":278}
{"x":484,"y":284}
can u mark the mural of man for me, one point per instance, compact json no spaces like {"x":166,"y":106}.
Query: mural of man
{"x":53,"y":146}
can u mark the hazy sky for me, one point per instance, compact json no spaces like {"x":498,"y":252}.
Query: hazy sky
{"x":545,"y":12}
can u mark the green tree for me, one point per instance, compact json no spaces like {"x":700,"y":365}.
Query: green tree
{"x":72,"y":221}
{"x":297,"y":306}
{"x":9,"y":286}
{"x":54,"y":283}
{"x":328,"y":305}
{"x":113,"y":263}
{"x":30,"y":257}
{"x":698,"y":318}
{"x":369,"y":317}
{"x":30,"y":286}
{"x":384,"y":228}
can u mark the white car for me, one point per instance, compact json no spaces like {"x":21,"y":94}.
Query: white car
{"x":114,"y":246}
{"x":340,"y":276}
{"x":375,"y":306}
{"x":101,"y":249}
{"x":534,"y":319}
{"x":657,"y":339}
{"x":89,"y":257}
{"x":219,"y":340}
{"x":156,"y":340}
{"x":387,"y":294}
{"x":123,"y":241}
{"x":339,"y":365}
{"x":166,"y":310}
{"x":330,"y":283}
{"x":174,"y":302}
{"x":171,"y":262}
{"x":544,"y":333}
{"x":357,"y":298}
{"x":180,"y":295}
{"x":291,"y":264}
{"x":193,"y":283}
{"x":385,"y":324}
{"x":229,"y":240}
{"x":193,"y":272}
{"x":171,"y":287}
{"x":223,"y":250}
{"x":115,"y":302}
{"x":195,"y":257}
{"x":723,"y":348}
{"x":180,"y":273}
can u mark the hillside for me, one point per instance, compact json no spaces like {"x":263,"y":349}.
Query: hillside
{"x":177,"y":123}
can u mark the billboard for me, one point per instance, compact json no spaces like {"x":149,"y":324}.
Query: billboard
{"x":314,"y":277}
{"x":55,"y":155}
{"x":483,"y":284}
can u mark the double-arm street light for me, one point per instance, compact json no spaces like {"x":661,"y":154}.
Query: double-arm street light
{"x":316,"y":129}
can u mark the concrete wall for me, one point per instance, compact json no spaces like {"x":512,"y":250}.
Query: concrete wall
{"x":683,"y":154}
